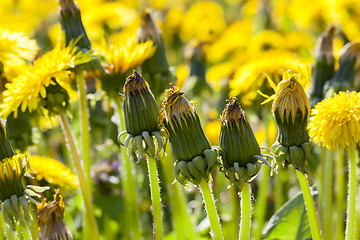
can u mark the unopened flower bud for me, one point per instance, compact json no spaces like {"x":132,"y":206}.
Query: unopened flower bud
{"x":324,"y":65}
{"x":141,"y":117}
{"x":291,"y":110}
{"x":347,"y":77}
{"x":156,"y":68}
{"x":194,"y":157}
{"x":196,"y":83}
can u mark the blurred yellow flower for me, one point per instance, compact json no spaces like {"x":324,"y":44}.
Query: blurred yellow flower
{"x":27,"y":88}
{"x":203,"y":21}
{"x":250,"y":76}
{"x":52,"y":171}
{"x":212,"y":131}
{"x":16,"y":48}
{"x":336,"y":121}
{"x":235,"y":36}
{"x":126,"y":54}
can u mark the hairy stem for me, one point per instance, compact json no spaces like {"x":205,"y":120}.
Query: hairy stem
{"x":326,"y":203}
{"x":350,"y":221}
{"x":155,"y":198}
{"x":245,"y":222}
{"x":340,"y":192}
{"x":211,"y":210}
{"x":92,"y":226}
{"x":310,"y":206}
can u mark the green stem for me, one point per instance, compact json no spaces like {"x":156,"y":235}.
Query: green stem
{"x":155,"y":198}
{"x":211,"y":210}
{"x":129,"y":186}
{"x":350,"y":221}
{"x":234,"y":190}
{"x":322,"y":180}
{"x":279,"y":198}
{"x":91,"y":221}
{"x":260,"y":206}
{"x":326,"y":203}
{"x":310,"y":206}
{"x":245,"y":223}
{"x":85,"y":129}
{"x":180,"y":215}
{"x":340,"y":192}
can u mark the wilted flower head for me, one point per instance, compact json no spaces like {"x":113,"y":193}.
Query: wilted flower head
{"x":52,"y":70}
{"x":156,"y":68}
{"x":50,"y":219}
{"x":240,"y":150}
{"x":336,"y":121}
{"x":324,"y":65}
{"x":194,"y":157}
{"x":141,"y":115}
{"x":291,"y":110}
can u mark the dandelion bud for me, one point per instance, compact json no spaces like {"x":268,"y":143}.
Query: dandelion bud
{"x":194,"y":157}
{"x":70,"y":20}
{"x":71,"y":24}
{"x":324,"y":65}
{"x":291,"y":109}
{"x":141,"y":114}
{"x":50,"y":219}
{"x":196,"y":83}
{"x":239,"y":145}
{"x":156,"y":68}
{"x":347,"y":77}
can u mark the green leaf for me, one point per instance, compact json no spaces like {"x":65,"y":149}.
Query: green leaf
{"x":290,"y":222}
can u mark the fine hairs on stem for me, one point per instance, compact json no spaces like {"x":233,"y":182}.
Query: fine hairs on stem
{"x":245,"y":219}
{"x":211,"y":210}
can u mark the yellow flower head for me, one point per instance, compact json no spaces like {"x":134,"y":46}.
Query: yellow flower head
{"x":15,"y":48}
{"x":51,"y":219}
{"x":52,"y":68}
{"x":52,"y":171}
{"x":127,"y":54}
{"x":290,"y":98}
{"x":12,"y":171}
{"x":336,"y":121}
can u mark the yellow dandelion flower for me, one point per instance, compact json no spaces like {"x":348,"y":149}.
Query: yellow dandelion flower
{"x":52,"y":171}
{"x":15,"y":48}
{"x":51,"y":68}
{"x":50,"y":219}
{"x":250,"y":76}
{"x":336,"y":121}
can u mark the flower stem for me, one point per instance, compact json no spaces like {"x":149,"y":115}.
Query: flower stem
{"x":128,"y":184}
{"x":310,"y":206}
{"x":180,"y":214}
{"x":211,"y":210}
{"x":326,"y":204}
{"x":94,"y":233}
{"x":260,"y":207}
{"x":350,"y":221}
{"x":85,"y":129}
{"x":340,"y":191}
{"x":245,"y":223}
{"x":155,"y":198}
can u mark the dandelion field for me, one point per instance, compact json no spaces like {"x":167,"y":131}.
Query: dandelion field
{"x":228,"y":119}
